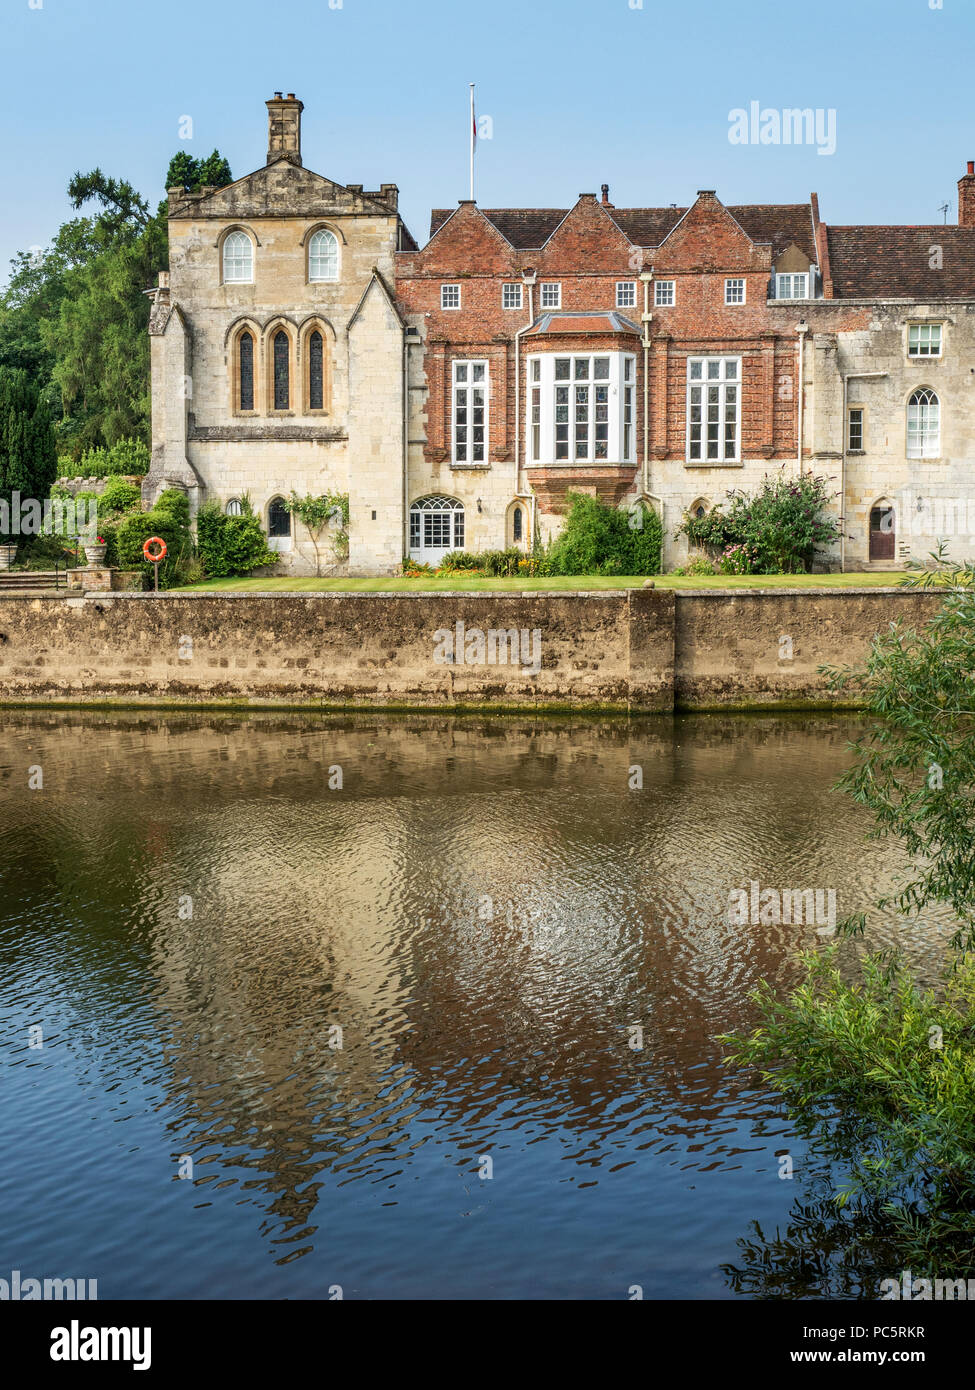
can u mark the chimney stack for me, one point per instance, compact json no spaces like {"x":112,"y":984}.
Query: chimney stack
{"x":966,"y":197}
{"x":284,"y":128}
{"x":605,"y":192}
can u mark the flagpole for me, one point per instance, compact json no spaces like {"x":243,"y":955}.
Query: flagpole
{"x":473,"y":128}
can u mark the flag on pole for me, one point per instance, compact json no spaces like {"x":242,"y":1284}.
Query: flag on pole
{"x":473,"y":140}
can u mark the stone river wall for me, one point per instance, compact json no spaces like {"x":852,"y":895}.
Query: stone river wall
{"x":637,"y":650}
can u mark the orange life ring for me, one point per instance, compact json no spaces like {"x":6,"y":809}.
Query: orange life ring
{"x":159,"y":555}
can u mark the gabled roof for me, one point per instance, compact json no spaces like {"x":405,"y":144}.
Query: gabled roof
{"x":530,"y":228}
{"x":895,"y":262}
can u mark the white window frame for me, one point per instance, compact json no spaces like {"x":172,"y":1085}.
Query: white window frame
{"x":784,"y":284}
{"x":726,"y":377}
{"x":852,"y":410}
{"x":428,"y":513}
{"x":324,"y":236}
{"x":549,"y":285}
{"x":734,"y":280}
{"x":924,"y":424}
{"x":514,"y":288}
{"x":669,"y":297}
{"x":469,"y":393}
{"x":626,"y":288}
{"x":229,"y":258}
{"x":581,"y":413}
{"x":920,"y":329}
{"x":448,"y":289}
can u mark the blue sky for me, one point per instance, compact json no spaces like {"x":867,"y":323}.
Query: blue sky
{"x":579,"y":94}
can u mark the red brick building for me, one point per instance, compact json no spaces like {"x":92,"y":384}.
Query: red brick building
{"x":667,"y":353}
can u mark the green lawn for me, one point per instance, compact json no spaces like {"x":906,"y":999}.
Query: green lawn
{"x":459,"y":583}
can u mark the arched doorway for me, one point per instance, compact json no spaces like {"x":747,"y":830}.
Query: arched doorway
{"x":436,"y":527}
{"x":883,"y":535}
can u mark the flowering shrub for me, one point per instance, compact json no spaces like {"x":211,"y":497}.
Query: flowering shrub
{"x":783,"y":526}
{"x":739,"y":559}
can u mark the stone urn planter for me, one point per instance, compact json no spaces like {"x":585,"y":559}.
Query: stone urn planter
{"x":95,"y":554}
{"x":8,"y":553}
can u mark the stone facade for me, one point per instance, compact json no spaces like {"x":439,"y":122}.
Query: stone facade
{"x":279,"y":437}
{"x":442,"y":409}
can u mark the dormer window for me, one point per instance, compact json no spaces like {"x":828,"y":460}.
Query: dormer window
{"x":792,"y":286}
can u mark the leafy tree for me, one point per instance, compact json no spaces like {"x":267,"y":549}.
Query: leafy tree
{"x":28,"y":458}
{"x":192,"y":174}
{"x":882,"y":1071}
{"x":316,"y":514}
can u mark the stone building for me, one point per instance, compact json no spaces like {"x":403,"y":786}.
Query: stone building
{"x":278,"y":350}
{"x":459,"y":392}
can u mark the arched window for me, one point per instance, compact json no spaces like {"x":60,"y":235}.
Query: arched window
{"x":316,"y":371}
{"x":278,"y":519}
{"x":436,"y":526}
{"x":323,"y":256}
{"x":234,"y":507}
{"x":238,"y":259}
{"x":282,"y":370}
{"x":923,"y":425}
{"x":245,"y":371}
{"x":517,"y":526}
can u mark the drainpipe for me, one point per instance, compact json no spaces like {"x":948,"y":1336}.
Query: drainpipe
{"x":802,"y":330}
{"x":646,"y":277}
{"x":528,"y":279}
{"x":844,"y":441}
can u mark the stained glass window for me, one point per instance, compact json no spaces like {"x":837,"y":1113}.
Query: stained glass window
{"x":246,"y":372}
{"x":282,"y":384}
{"x":316,"y":380}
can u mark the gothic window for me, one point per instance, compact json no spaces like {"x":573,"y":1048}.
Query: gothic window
{"x":246,"y":371}
{"x":323,"y":256}
{"x":923,"y":425}
{"x":278,"y":518}
{"x":282,"y":370}
{"x":316,"y":372}
{"x":516,"y":529}
{"x":238,"y":259}
{"x":234,"y":507}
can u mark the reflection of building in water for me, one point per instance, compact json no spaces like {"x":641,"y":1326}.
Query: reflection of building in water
{"x":485,"y":909}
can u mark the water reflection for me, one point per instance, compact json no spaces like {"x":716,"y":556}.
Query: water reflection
{"x":487,"y":911}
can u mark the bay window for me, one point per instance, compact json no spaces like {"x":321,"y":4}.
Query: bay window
{"x":582,"y":408}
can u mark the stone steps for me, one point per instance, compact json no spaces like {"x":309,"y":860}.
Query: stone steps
{"x":32,"y":579}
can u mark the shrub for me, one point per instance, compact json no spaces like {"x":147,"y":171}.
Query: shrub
{"x":458,"y":560}
{"x":502,"y":563}
{"x":740,"y":559}
{"x":128,"y":456}
{"x":119,"y":496}
{"x":231,"y":545}
{"x":783,"y":525}
{"x":413,"y":569}
{"x":599,"y":539}
{"x":697,"y":564}
{"x":169,"y":520}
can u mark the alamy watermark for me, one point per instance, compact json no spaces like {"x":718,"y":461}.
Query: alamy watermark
{"x":758,"y":906}
{"x":55,"y":516}
{"x":498,"y":646}
{"x":758,"y":125}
